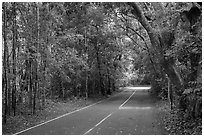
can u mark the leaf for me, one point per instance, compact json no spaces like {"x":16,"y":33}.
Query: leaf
{"x":187,"y":91}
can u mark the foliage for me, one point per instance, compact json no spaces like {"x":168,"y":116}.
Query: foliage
{"x":63,"y":50}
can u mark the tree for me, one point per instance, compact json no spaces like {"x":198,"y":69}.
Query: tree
{"x":157,"y":43}
{"x":163,"y":39}
{"x":5,"y":79}
{"x":14,"y":59}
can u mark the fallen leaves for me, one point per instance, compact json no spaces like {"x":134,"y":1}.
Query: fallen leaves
{"x":175,"y":122}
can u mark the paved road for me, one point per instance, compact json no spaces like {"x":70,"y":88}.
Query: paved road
{"x":131,"y":112}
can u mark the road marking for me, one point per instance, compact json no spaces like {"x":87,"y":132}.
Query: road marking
{"x":64,"y":115}
{"x":58,"y":117}
{"x":134,"y":88}
{"x":126,"y":100}
{"x":97,"y":124}
{"x":135,"y":108}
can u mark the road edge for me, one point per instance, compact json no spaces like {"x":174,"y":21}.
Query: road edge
{"x":66,"y":114}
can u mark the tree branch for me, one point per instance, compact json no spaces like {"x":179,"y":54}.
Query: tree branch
{"x":141,"y":18}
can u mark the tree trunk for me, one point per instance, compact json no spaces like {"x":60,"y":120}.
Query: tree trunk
{"x":30,"y":85}
{"x":35,"y":85}
{"x":173,"y":75}
{"x":157,"y":44}
{"x":45,"y":72}
{"x":99,"y":70}
{"x":87,"y":52}
{"x":5,"y":86}
{"x":9,"y":88}
{"x":62,"y":88}
{"x":170,"y":93}
{"x":194,"y":61}
{"x":44,"y":83}
{"x":86,"y":90}
{"x":93,"y":86}
{"x":36,"y":60}
{"x":109,"y":82}
{"x":14,"y":59}
{"x":113,"y":84}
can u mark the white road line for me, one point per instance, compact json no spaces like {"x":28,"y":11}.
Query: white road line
{"x":126,"y":100}
{"x":97,"y":124}
{"x":58,"y":117}
{"x":135,"y":108}
{"x":63,"y":115}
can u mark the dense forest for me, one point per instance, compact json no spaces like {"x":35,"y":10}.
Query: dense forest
{"x":64,"y":50}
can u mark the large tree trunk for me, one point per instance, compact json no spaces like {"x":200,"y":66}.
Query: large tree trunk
{"x":173,"y":75}
{"x":157,"y":43}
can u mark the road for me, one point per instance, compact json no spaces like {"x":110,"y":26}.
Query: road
{"x":130,"y":112}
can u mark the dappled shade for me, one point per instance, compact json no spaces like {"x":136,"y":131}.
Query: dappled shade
{"x":70,"y":51}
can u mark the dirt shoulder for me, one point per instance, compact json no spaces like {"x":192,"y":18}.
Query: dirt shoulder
{"x":51,"y":110}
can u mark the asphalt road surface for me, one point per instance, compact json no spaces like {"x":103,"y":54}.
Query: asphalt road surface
{"x":131,"y":112}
